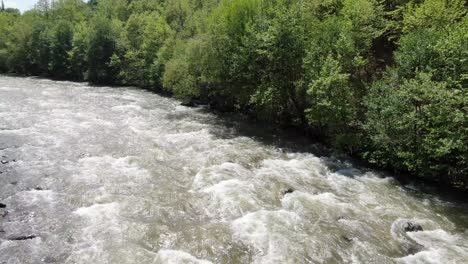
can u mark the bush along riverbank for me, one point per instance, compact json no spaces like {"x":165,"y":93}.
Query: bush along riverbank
{"x":385,"y":81}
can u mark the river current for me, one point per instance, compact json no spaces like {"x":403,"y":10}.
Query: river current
{"x":122,"y":175}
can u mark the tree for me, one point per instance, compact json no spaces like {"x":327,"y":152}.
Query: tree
{"x":419,"y":126}
{"x":93,"y":3}
{"x":78,"y":55}
{"x":417,"y":114}
{"x":43,"y":6}
{"x":60,"y":47}
{"x":103,"y":40}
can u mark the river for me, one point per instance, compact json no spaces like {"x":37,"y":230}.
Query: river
{"x":122,"y":175}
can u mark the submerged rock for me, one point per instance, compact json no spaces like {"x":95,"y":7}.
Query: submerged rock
{"x":413,"y":249}
{"x":289,"y":190}
{"x":189,"y":104}
{"x":2,"y":205}
{"x":4,"y":214}
{"x":342,"y":217}
{"x":410,"y":227}
{"x":49,"y":260}
{"x":20,"y":238}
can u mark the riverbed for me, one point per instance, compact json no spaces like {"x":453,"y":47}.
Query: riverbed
{"x":122,"y":175}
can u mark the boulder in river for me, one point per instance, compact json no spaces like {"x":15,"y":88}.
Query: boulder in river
{"x":286,"y":191}
{"x":2,"y":205}
{"x":19,"y":238}
{"x":4,"y":162}
{"x":410,"y":227}
{"x":342,"y":217}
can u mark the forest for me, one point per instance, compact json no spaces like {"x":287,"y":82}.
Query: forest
{"x":382,"y":80}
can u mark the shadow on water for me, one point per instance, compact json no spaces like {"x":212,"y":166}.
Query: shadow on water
{"x":232,"y":125}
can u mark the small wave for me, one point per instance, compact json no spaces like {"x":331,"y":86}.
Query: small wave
{"x":177,"y":257}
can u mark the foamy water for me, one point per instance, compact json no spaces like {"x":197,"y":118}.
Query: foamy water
{"x":121,"y":175}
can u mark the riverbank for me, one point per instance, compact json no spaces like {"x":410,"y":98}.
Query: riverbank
{"x":440,"y":185}
{"x":445,"y":189}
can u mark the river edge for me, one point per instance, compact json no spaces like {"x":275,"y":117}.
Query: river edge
{"x":315,"y":146}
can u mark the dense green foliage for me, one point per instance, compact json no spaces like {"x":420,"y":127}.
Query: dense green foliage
{"x":382,"y":79}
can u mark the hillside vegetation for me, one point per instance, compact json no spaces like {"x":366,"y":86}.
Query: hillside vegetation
{"x":383,"y":80}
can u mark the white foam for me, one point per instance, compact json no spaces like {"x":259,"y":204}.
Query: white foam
{"x":38,"y":197}
{"x":435,"y":238}
{"x":231,"y":198}
{"x":439,"y":247}
{"x":8,"y":88}
{"x":126,"y":108}
{"x":425,"y":257}
{"x":274,"y":236}
{"x":101,"y":219}
{"x":101,"y":226}
{"x":177,"y":257}
{"x":109,"y":169}
{"x":325,"y":205}
{"x":300,"y":174}
{"x":215,"y":174}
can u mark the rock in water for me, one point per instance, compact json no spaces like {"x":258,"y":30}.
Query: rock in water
{"x":4,"y":214}
{"x":19,"y":238}
{"x":189,"y":104}
{"x":2,"y":205}
{"x":410,"y":227}
{"x":49,"y":260}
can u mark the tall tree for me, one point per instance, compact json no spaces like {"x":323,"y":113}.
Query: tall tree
{"x":43,"y":6}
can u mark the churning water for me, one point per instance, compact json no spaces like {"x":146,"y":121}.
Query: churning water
{"x":121,"y":175}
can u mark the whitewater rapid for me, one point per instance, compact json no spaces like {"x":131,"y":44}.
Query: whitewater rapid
{"x":122,"y":175}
